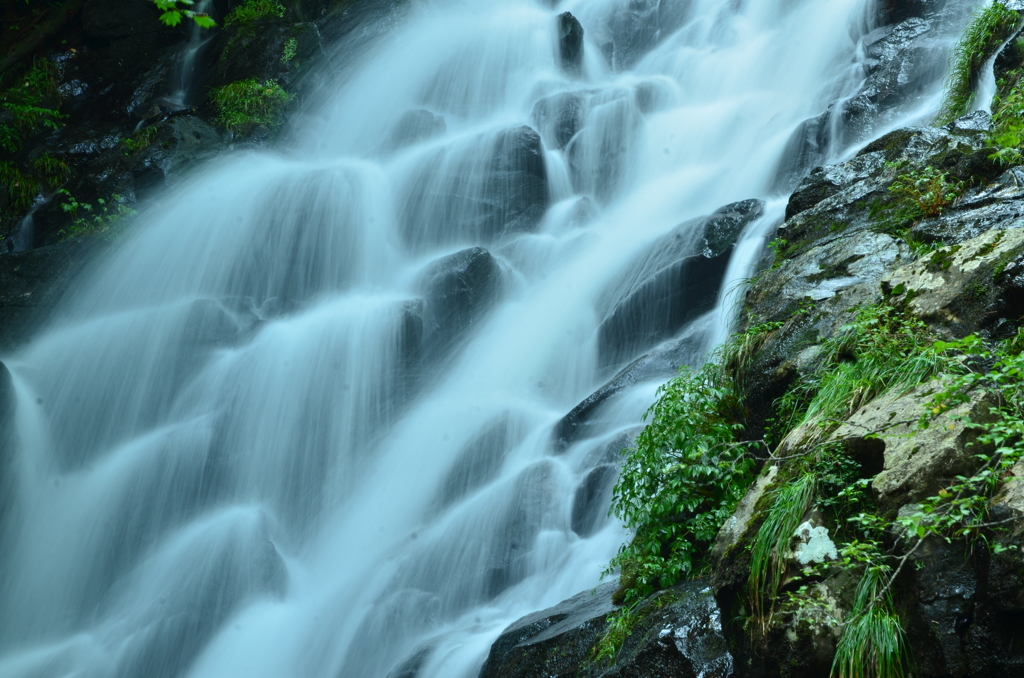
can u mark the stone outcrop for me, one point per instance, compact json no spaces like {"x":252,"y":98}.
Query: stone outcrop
{"x":678,"y":632}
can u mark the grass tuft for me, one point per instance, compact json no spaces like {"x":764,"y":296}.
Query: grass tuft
{"x":873,"y":644}
{"x":771,"y":546}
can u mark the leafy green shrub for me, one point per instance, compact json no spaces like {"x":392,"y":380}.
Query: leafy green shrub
{"x":254,"y":10}
{"x":247,"y":104}
{"x":30,"y":105}
{"x":989,"y":28}
{"x":106,"y":218}
{"x":926,"y":192}
{"x":681,"y":481}
{"x":1007,"y":133}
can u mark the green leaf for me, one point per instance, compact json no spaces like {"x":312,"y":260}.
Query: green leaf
{"x":171,"y":18}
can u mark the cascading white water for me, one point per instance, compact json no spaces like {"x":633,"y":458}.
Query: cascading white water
{"x":184,"y":76}
{"x":249,"y":449}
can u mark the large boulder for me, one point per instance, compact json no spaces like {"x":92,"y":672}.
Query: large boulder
{"x":677,"y":632}
{"x":976,"y":284}
{"x":558,"y":117}
{"x":458,"y":290}
{"x":591,"y":500}
{"x":638,"y":27}
{"x":413,"y":127}
{"x":478,"y":191}
{"x":917,"y":463}
{"x":32,"y":282}
{"x":585,"y":421}
{"x":674,"y":281}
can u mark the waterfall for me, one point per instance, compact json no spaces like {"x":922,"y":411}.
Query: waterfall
{"x":310,"y":417}
{"x":183,"y":79}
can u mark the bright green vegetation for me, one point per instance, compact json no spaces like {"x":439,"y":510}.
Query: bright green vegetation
{"x":248,"y":104}
{"x":691,"y":466}
{"x":139,"y":141}
{"x":768,"y":561}
{"x":680,"y":482}
{"x":989,"y":28}
{"x":915,"y":195}
{"x":961,"y":510}
{"x":881,"y":350}
{"x":1007,"y":133}
{"x":254,"y":10}
{"x":105,"y":218}
{"x":176,"y":10}
{"x":31,"y":103}
{"x":620,"y":627}
{"x":873,"y":643}
{"x":926,"y":192}
{"x":291,"y":46}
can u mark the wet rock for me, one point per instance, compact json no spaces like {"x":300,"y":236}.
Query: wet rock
{"x":480,"y":460}
{"x":493,"y":186}
{"x":807,"y":147}
{"x":553,"y":642}
{"x":559,"y":117}
{"x":737,"y":530}
{"x":638,"y":27}
{"x":458,"y":290}
{"x":584,"y":420}
{"x":591,"y":500}
{"x":257,"y":50}
{"x":410,"y":667}
{"x":917,"y":462}
{"x":570,"y":42}
{"x":965,"y":287}
{"x":895,"y":11}
{"x":673,"y":282}
{"x":824,"y":182}
{"x":677,"y":632}
{"x":414,"y":127}
{"x":32,"y":282}
{"x":901,"y":60}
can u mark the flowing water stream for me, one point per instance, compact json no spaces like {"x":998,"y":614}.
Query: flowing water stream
{"x":304,"y":420}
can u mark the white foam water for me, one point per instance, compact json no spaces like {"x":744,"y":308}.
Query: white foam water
{"x":247,"y":449}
